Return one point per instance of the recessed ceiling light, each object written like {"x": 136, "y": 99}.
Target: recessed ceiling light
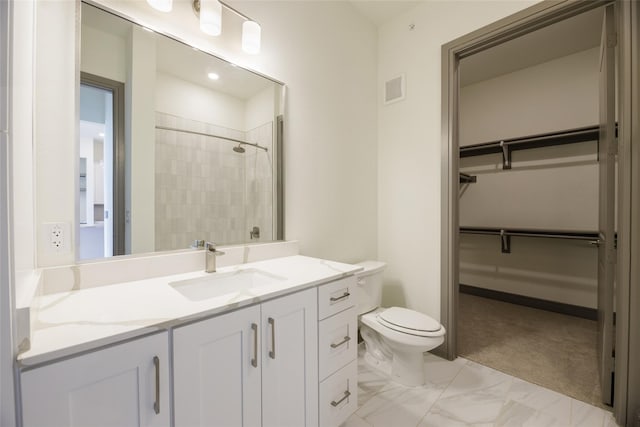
{"x": 213, "y": 76}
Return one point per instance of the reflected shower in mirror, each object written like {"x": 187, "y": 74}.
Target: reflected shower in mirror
{"x": 176, "y": 145}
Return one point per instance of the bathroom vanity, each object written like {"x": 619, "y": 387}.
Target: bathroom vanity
{"x": 274, "y": 345}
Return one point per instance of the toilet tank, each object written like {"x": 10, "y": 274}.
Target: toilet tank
{"x": 369, "y": 288}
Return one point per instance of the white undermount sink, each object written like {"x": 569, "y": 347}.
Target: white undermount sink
{"x": 218, "y": 284}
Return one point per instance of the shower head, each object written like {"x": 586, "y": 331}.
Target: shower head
{"x": 238, "y": 149}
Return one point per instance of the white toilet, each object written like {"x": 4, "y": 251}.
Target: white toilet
{"x": 395, "y": 337}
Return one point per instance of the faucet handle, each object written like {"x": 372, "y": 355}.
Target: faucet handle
{"x": 210, "y": 246}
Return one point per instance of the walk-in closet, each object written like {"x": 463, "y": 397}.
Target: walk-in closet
{"x": 529, "y": 126}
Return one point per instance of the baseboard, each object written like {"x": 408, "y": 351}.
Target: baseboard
{"x": 557, "y": 307}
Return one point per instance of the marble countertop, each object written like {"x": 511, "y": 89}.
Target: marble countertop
{"x": 67, "y": 323}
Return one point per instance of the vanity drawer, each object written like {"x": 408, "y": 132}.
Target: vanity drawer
{"x": 337, "y": 341}
{"x": 336, "y": 296}
{"x": 339, "y": 396}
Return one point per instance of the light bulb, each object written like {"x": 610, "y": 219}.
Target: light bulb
{"x": 211, "y": 17}
{"x": 251, "y": 37}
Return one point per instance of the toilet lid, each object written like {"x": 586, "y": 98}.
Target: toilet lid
{"x": 408, "y": 321}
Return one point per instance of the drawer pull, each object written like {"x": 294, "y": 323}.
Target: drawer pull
{"x": 156, "y": 404}
{"x": 347, "y": 393}
{"x": 272, "y": 353}
{"x": 254, "y": 361}
{"x": 344, "y": 341}
{"x": 345, "y": 295}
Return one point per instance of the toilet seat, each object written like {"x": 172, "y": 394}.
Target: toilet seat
{"x": 409, "y": 322}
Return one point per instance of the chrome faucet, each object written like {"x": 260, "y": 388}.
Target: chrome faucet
{"x": 210, "y": 256}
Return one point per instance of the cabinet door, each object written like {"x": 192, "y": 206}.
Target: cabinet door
{"x": 123, "y": 385}
{"x": 290, "y": 361}
{"x": 217, "y": 371}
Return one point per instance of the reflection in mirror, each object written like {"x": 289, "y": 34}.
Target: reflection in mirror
{"x": 194, "y": 156}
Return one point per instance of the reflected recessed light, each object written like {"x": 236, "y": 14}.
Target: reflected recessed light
{"x": 213, "y": 76}
{"x": 101, "y": 134}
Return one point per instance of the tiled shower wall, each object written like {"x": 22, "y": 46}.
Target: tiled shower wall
{"x": 205, "y": 190}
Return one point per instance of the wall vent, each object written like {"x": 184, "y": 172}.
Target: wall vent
{"x": 394, "y": 90}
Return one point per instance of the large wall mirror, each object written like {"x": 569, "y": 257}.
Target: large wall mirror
{"x": 176, "y": 145}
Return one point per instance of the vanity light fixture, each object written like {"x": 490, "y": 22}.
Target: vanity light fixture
{"x": 251, "y": 37}
{"x": 210, "y": 17}
{"x": 213, "y": 76}
{"x": 161, "y": 5}
{"x": 209, "y": 13}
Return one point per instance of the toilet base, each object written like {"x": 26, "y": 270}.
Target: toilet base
{"x": 407, "y": 368}
{"x": 381, "y": 365}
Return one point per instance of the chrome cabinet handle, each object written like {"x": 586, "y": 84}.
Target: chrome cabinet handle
{"x": 347, "y": 393}
{"x": 254, "y": 361}
{"x": 272, "y": 353}
{"x": 156, "y": 404}
{"x": 344, "y": 341}
{"x": 345, "y": 295}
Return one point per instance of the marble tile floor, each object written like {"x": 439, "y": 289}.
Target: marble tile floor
{"x": 465, "y": 393}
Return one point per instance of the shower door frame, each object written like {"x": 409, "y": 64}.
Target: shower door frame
{"x": 627, "y": 391}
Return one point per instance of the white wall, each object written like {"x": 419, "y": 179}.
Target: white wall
{"x": 184, "y": 99}
{"x": 7, "y": 411}
{"x": 140, "y": 135}
{"x": 555, "y": 187}
{"x": 409, "y": 138}
{"x": 23, "y": 150}
{"x": 56, "y": 87}
{"x": 326, "y": 54}
{"x": 103, "y": 54}
{"x": 555, "y": 95}
{"x": 17, "y": 257}
{"x": 260, "y": 108}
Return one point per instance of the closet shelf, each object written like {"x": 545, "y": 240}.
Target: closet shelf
{"x": 505, "y": 234}
{"x": 506, "y": 146}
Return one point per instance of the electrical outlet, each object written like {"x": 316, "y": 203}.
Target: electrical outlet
{"x": 56, "y": 237}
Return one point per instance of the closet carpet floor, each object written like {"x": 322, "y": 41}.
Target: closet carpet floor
{"x": 552, "y": 350}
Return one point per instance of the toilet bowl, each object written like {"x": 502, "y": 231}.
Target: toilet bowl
{"x": 395, "y": 337}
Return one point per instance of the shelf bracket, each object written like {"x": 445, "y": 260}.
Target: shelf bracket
{"x": 506, "y": 155}
{"x": 466, "y": 178}
{"x": 505, "y": 240}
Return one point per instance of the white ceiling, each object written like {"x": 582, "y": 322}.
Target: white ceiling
{"x": 564, "y": 38}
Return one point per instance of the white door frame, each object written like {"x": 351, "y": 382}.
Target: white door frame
{"x": 627, "y": 387}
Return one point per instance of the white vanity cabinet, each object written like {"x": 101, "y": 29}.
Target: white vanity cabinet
{"x": 256, "y": 366}
{"x": 216, "y": 371}
{"x": 123, "y": 385}
{"x": 337, "y": 351}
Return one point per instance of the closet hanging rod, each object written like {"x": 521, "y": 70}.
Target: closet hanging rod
{"x": 213, "y": 136}
{"x": 506, "y": 234}
{"x": 505, "y": 146}
{"x": 557, "y": 234}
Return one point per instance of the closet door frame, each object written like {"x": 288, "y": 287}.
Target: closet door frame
{"x": 627, "y": 387}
